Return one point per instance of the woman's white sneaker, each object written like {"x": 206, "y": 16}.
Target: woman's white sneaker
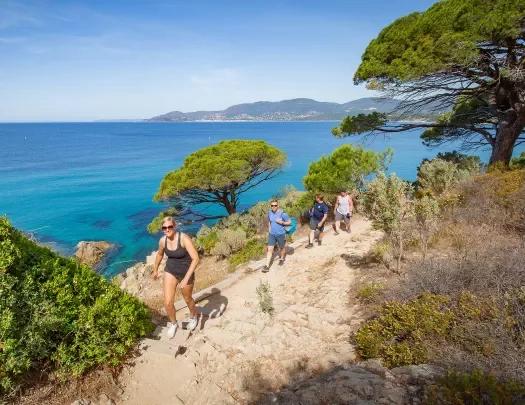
{"x": 192, "y": 323}
{"x": 172, "y": 328}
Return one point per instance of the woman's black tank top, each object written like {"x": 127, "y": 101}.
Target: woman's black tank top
{"x": 179, "y": 260}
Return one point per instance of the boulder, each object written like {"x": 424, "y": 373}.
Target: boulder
{"x": 91, "y": 253}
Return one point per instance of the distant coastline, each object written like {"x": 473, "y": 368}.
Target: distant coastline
{"x": 294, "y": 110}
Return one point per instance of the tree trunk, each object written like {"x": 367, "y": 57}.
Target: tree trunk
{"x": 511, "y": 124}
{"x": 503, "y": 147}
{"x": 230, "y": 208}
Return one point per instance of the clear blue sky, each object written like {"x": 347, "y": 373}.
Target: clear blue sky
{"x": 83, "y": 60}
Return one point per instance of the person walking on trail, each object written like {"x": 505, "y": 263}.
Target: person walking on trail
{"x": 319, "y": 213}
{"x": 277, "y": 220}
{"x": 344, "y": 206}
{"x": 179, "y": 272}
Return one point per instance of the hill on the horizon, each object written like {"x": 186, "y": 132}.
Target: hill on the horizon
{"x": 299, "y": 109}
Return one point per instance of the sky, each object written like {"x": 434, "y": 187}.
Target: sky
{"x": 116, "y": 59}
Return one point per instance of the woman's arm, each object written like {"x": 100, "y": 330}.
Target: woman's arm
{"x": 158, "y": 259}
{"x": 351, "y": 203}
{"x": 336, "y": 204}
{"x": 187, "y": 244}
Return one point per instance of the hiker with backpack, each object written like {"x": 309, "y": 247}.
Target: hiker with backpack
{"x": 278, "y": 221}
{"x": 318, "y": 216}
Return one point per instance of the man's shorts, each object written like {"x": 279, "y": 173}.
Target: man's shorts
{"x": 276, "y": 239}
{"x": 314, "y": 225}
{"x": 342, "y": 217}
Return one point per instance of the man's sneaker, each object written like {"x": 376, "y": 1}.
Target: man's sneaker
{"x": 192, "y": 323}
{"x": 281, "y": 262}
{"x": 319, "y": 243}
{"x": 334, "y": 226}
{"x": 172, "y": 328}
{"x": 309, "y": 246}
{"x": 265, "y": 269}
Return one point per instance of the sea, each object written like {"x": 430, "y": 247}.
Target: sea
{"x": 62, "y": 183}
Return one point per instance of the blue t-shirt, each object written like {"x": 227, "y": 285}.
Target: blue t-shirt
{"x": 320, "y": 209}
{"x": 275, "y": 228}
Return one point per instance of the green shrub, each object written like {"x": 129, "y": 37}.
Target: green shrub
{"x": 56, "y": 311}
{"x": 400, "y": 332}
{"x": 367, "y": 292}
{"x": 387, "y": 202}
{"x": 437, "y": 175}
{"x": 253, "y": 250}
{"x": 518, "y": 162}
{"x": 228, "y": 242}
{"x": 472, "y": 389}
{"x": 206, "y": 239}
{"x": 427, "y": 215}
{"x": 381, "y": 252}
{"x": 264, "y": 292}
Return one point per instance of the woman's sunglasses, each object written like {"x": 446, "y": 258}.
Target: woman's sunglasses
{"x": 169, "y": 227}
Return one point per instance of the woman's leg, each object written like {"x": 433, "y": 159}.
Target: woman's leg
{"x": 170, "y": 286}
{"x": 188, "y": 297}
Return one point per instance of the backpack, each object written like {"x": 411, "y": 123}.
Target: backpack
{"x": 290, "y": 229}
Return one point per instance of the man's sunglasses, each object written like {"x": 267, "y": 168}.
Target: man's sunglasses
{"x": 273, "y": 205}
{"x": 169, "y": 227}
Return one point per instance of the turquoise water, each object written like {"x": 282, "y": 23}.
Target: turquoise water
{"x": 66, "y": 182}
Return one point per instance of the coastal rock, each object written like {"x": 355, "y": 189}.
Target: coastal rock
{"x": 137, "y": 279}
{"x": 365, "y": 383}
{"x": 91, "y": 253}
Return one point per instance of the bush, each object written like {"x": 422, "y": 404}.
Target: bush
{"x": 387, "y": 203}
{"x": 474, "y": 388}
{"x": 264, "y": 292}
{"x": 253, "y": 250}
{"x": 518, "y": 162}
{"x": 400, "y": 332}
{"x": 205, "y": 239}
{"x": 228, "y": 242}
{"x": 381, "y": 252}
{"x": 427, "y": 214}
{"x": 56, "y": 311}
{"x": 368, "y": 292}
{"x": 437, "y": 175}
{"x": 446, "y": 169}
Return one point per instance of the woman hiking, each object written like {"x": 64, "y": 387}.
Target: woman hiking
{"x": 179, "y": 272}
{"x": 344, "y": 206}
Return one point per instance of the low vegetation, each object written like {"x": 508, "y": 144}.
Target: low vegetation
{"x": 460, "y": 302}
{"x": 264, "y": 292}
{"x": 57, "y": 315}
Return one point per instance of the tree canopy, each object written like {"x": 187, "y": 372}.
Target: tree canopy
{"x": 219, "y": 174}
{"x": 346, "y": 167}
{"x": 464, "y": 55}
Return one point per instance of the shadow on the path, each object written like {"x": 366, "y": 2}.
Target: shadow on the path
{"x": 215, "y": 306}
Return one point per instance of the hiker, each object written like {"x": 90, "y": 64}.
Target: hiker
{"x": 179, "y": 272}
{"x": 318, "y": 215}
{"x": 344, "y": 206}
{"x": 277, "y": 220}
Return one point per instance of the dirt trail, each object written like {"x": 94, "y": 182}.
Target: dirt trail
{"x": 238, "y": 352}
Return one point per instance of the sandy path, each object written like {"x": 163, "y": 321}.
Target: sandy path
{"x": 239, "y": 351}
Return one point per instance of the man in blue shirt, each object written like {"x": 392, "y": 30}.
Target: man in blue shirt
{"x": 277, "y": 220}
{"x": 319, "y": 213}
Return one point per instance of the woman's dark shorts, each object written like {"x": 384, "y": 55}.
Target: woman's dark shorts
{"x": 314, "y": 225}
{"x": 276, "y": 239}
{"x": 180, "y": 277}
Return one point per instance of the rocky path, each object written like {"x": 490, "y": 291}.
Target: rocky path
{"x": 237, "y": 353}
